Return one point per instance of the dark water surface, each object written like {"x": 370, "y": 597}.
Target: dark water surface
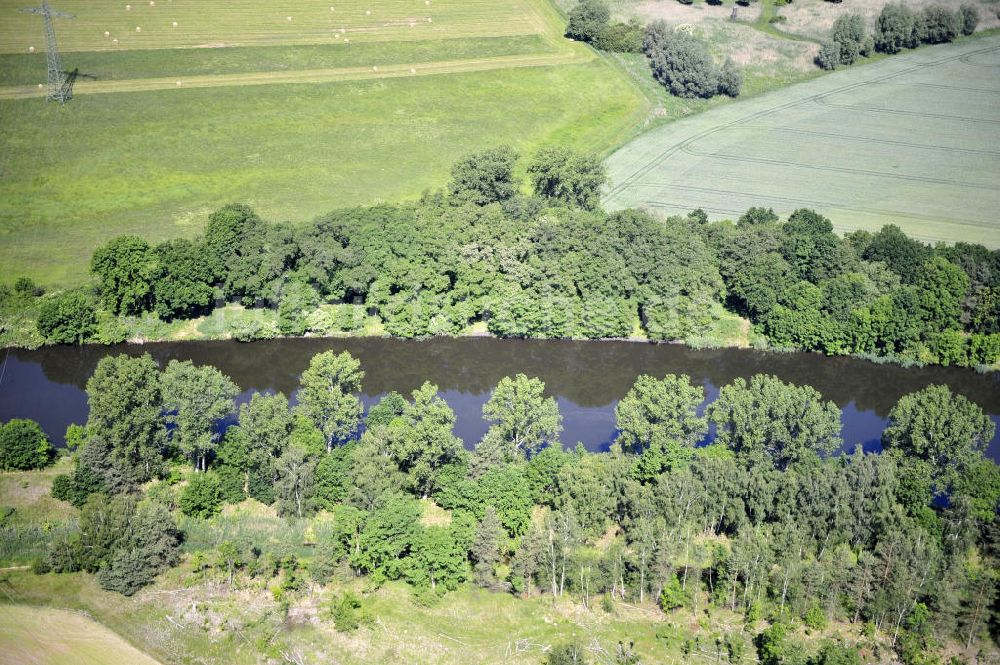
{"x": 587, "y": 378}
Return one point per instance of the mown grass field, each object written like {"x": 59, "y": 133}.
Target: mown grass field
{"x": 913, "y": 140}
{"x": 288, "y": 117}
{"x": 45, "y": 636}
{"x": 248, "y": 22}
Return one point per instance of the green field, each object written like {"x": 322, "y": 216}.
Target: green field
{"x": 289, "y": 119}
{"x": 913, "y": 140}
{"x": 249, "y": 22}
{"x": 45, "y": 636}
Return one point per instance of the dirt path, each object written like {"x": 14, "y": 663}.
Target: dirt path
{"x": 311, "y": 75}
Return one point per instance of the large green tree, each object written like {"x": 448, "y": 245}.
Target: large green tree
{"x": 658, "y": 419}
{"x": 484, "y": 177}
{"x": 126, "y": 405}
{"x": 941, "y": 287}
{"x": 183, "y": 285}
{"x": 522, "y": 419}
{"x": 327, "y": 395}
{"x": 420, "y": 441}
{"x": 262, "y": 435}
{"x": 941, "y": 428}
{"x": 126, "y": 267}
{"x": 295, "y": 483}
{"x": 569, "y": 177}
{"x": 196, "y": 399}
{"x": 779, "y": 420}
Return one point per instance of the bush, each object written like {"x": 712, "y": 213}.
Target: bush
{"x": 588, "y": 20}
{"x": 26, "y": 287}
{"x": 298, "y": 299}
{"x": 673, "y": 595}
{"x": 109, "y": 329}
{"x": 829, "y": 55}
{"x": 730, "y": 79}
{"x": 621, "y": 38}
{"x": 894, "y": 29}
{"x": 938, "y": 25}
{"x": 680, "y": 62}
{"x": 571, "y": 653}
{"x": 24, "y": 446}
{"x": 815, "y": 618}
{"x": 69, "y": 318}
{"x": 77, "y": 487}
{"x": 248, "y": 328}
{"x": 850, "y": 34}
{"x": 202, "y": 497}
{"x": 969, "y": 18}
{"x": 347, "y": 613}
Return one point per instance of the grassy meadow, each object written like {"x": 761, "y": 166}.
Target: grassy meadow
{"x": 58, "y": 637}
{"x": 910, "y": 140}
{"x": 288, "y": 118}
{"x": 170, "y": 24}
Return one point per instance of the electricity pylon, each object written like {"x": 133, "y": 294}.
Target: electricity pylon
{"x": 60, "y": 84}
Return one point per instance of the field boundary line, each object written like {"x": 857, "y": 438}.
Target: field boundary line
{"x": 800, "y": 201}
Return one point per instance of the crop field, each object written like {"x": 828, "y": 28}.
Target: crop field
{"x": 912, "y": 140}
{"x": 45, "y": 636}
{"x": 330, "y": 109}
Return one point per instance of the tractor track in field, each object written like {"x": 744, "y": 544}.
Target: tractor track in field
{"x": 576, "y": 56}
{"x": 690, "y": 150}
{"x": 866, "y": 139}
{"x": 822, "y": 100}
{"x": 684, "y": 145}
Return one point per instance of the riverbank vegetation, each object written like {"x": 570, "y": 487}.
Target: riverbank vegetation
{"x": 485, "y": 257}
{"x": 755, "y": 540}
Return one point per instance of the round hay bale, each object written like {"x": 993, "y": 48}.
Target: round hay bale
{"x": 178, "y": 84}
{"x": 427, "y": 2}
{"x": 368, "y": 12}
{"x": 375, "y": 68}
{"x": 336, "y": 35}
{"x": 413, "y": 70}
{"x": 288, "y": 18}
{"x": 331, "y": 9}
{"x": 114, "y": 41}
{"x": 31, "y": 49}
{"x": 343, "y": 30}
{"x": 107, "y": 34}
{"x": 347, "y": 41}
{"x": 138, "y": 29}
{"x": 40, "y": 86}
{"x": 128, "y": 8}
{"x": 175, "y": 24}
{"x": 152, "y": 3}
